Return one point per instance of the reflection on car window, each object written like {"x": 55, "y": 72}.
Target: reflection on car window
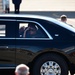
{"x": 31, "y": 30}
{"x": 2, "y": 30}
{"x": 22, "y": 28}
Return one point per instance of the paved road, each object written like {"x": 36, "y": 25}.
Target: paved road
{"x": 54, "y": 14}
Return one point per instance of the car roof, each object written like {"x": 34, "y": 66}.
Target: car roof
{"x": 64, "y": 25}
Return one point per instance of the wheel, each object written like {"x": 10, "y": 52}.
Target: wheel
{"x": 50, "y": 64}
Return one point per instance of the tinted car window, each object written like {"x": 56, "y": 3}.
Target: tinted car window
{"x": 31, "y": 30}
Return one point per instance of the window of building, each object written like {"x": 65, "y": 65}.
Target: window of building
{"x": 2, "y": 30}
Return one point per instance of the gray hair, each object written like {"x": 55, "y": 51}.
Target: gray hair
{"x": 22, "y": 69}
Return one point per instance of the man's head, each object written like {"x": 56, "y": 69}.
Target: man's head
{"x": 22, "y": 69}
{"x": 63, "y": 18}
{"x": 32, "y": 29}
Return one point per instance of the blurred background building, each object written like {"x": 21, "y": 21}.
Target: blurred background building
{"x": 4, "y": 6}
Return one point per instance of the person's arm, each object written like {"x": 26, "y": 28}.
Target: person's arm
{"x": 24, "y": 35}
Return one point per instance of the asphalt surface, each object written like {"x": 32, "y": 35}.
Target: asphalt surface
{"x": 54, "y": 14}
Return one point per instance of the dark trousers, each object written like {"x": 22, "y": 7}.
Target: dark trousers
{"x": 17, "y": 8}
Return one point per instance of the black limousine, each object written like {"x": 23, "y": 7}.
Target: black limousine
{"x": 45, "y": 44}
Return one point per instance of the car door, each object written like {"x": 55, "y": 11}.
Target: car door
{"x": 30, "y": 39}
{"x": 7, "y": 44}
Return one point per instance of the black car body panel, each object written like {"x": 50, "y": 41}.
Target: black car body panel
{"x": 59, "y": 38}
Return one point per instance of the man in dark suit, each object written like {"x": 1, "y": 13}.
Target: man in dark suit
{"x": 17, "y": 5}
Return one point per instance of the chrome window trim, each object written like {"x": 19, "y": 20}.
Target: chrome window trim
{"x": 7, "y": 67}
{"x": 24, "y": 39}
{"x": 46, "y": 32}
{"x": 7, "y": 19}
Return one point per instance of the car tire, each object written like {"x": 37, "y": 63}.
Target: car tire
{"x": 50, "y": 64}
